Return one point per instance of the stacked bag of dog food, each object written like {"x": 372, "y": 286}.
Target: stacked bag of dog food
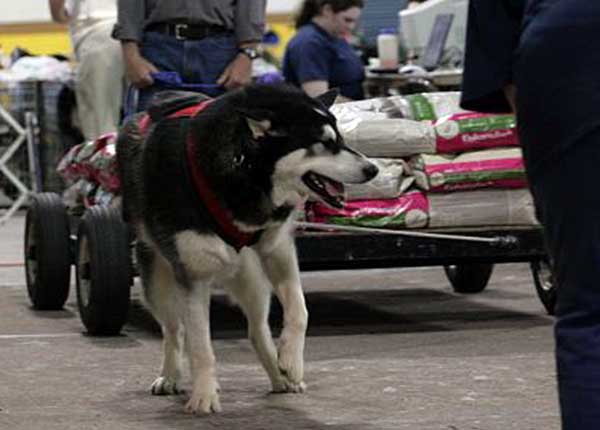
{"x": 440, "y": 166}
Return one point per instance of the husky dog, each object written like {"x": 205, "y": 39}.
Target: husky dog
{"x": 211, "y": 197}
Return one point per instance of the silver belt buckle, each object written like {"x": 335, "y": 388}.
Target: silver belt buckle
{"x": 178, "y": 28}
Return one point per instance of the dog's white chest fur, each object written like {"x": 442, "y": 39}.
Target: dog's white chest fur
{"x": 206, "y": 256}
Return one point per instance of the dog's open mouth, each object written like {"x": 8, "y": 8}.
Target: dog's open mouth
{"x": 329, "y": 190}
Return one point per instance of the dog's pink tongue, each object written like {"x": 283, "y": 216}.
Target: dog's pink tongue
{"x": 334, "y": 188}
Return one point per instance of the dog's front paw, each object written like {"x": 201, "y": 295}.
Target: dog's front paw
{"x": 163, "y": 386}
{"x": 286, "y": 386}
{"x": 204, "y": 401}
{"x": 291, "y": 363}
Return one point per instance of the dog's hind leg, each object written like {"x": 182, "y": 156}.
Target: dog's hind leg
{"x": 161, "y": 297}
{"x": 251, "y": 290}
{"x": 281, "y": 266}
{"x": 170, "y": 374}
{"x": 196, "y": 321}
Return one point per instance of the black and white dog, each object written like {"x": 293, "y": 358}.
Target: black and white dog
{"x": 210, "y": 187}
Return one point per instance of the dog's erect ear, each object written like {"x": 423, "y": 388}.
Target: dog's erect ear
{"x": 328, "y": 97}
{"x": 258, "y": 128}
{"x": 258, "y": 121}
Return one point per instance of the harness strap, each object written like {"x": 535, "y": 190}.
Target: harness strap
{"x": 191, "y": 111}
{"x": 228, "y": 231}
{"x": 231, "y": 234}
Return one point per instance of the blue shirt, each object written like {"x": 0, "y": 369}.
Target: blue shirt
{"x": 315, "y": 55}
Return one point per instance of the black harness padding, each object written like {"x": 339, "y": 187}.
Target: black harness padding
{"x": 170, "y": 102}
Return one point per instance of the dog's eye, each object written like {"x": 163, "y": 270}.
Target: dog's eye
{"x": 328, "y": 134}
{"x": 317, "y": 149}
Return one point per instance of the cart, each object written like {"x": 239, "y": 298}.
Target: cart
{"x": 99, "y": 244}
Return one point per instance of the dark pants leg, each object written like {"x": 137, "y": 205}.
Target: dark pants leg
{"x": 558, "y": 98}
{"x": 568, "y": 199}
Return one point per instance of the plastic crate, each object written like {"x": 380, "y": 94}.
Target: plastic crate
{"x": 12, "y": 97}
{"x": 54, "y": 133}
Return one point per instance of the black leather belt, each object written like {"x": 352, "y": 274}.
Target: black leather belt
{"x": 184, "y": 31}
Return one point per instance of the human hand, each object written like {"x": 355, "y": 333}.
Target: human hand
{"x": 237, "y": 73}
{"x": 138, "y": 69}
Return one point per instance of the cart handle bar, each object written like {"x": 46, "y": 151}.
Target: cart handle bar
{"x": 500, "y": 241}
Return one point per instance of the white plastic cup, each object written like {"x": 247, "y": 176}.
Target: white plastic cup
{"x": 387, "y": 48}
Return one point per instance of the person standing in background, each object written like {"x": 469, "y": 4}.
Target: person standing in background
{"x": 318, "y": 57}
{"x": 211, "y": 42}
{"x": 540, "y": 59}
{"x": 100, "y": 73}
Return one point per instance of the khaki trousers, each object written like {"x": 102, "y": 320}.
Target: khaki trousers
{"x": 99, "y": 81}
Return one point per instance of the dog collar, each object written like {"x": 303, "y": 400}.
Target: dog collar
{"x": 229, "y": 232}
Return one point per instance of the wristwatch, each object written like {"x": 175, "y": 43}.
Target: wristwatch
{"x": 252, "y": 53}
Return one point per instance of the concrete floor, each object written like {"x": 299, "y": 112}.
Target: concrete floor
{"x": 387, "y": 349}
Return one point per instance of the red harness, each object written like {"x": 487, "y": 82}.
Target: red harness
{"x": 230, "y": 233}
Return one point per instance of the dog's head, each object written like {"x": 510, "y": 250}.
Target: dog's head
{"x": 297, "y": 140}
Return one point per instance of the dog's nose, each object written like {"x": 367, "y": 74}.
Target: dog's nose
{"x": 370, "y": 171}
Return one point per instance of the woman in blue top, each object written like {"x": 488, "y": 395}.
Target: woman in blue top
{"x": 318, "y": 57}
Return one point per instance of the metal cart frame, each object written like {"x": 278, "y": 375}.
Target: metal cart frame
{"x": 99, "y": 245}
{"x": 330, "y": 251}
{"x": 103, "y": 280}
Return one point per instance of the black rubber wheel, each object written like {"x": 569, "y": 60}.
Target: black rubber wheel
{"x": 469, "y": 278}
{"x": 103, "y": 271}
{"x": 545, "y": 285}
{"x": 47, "y": 252}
